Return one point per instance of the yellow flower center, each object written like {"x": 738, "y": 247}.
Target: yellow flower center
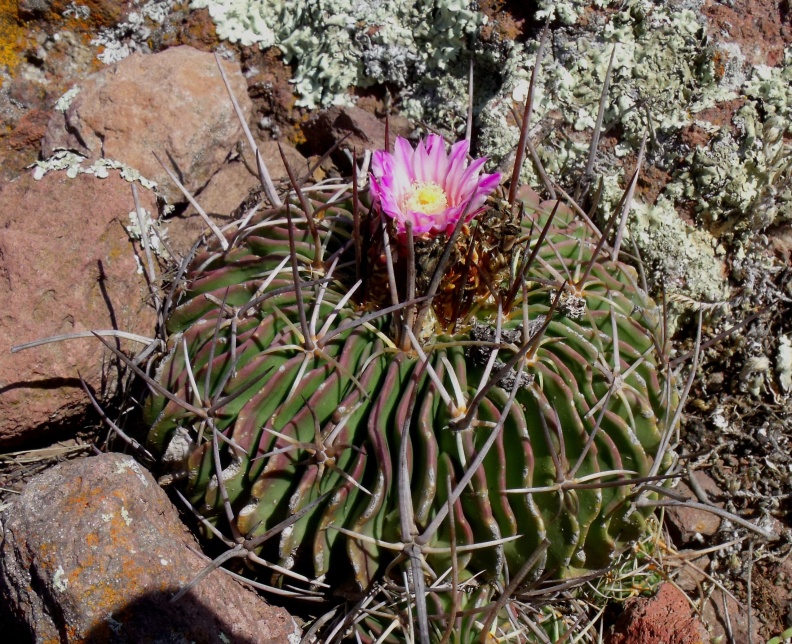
{"x": 426, "y": 197}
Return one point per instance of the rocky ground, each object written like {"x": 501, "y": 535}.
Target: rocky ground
{"x": 68, "y": 266}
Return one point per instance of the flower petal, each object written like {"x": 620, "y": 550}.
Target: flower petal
{"x": 435, "y": 162}
{"x": 403, "y": 155}
{"x": 394, "y": 178}
{"x": 456, "y": 166}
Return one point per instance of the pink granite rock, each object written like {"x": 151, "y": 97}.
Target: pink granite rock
{"x": 231, "y": 186}
{"x": 93, "y": 551}
{"x": 173, "y": 103}
{"x": 66, "y": 265}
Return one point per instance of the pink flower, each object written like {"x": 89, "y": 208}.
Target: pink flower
{"x": 428, "y": 186}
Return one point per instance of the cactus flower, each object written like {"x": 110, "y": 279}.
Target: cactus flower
{"x": 428, "y": 186}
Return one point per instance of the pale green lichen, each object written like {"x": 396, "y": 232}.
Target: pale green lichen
{"x": 62, "y": 104}
{"x": 59, "y": 580}
{"x": 132, "y": 35}
{"x": 667, "y": 78}
{"x": 61, "y": 160}
{"x": 566, "y": 11}
{"x": 128, "y": 464}
{"x": 338, "y": 44}
{"x": 784, "y": 363}
{"x": 657, "y": 67}
{"x": 738, "y": 179}
{"x": 73, "y": 164}
{"x": 156, "y": 234}
{"x": 681, "y": 257}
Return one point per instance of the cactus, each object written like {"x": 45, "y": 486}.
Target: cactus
{"x": 356, "y": 401}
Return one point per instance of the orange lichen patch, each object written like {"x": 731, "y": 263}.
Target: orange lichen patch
{"x": 101, "y": 579}
{"x": 195, "y": 29}
{"x": 13, "y": 38}
{"x": 505, "y": 22}
{"x": 651, "y": 183}
{"x": 719, "y": 61}
{"x": 101, "y": 13}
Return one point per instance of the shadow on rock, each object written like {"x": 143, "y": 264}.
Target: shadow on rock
{"x": 152, "y": 618}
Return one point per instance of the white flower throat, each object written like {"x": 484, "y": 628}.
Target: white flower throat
{"x": 425, "y": 197}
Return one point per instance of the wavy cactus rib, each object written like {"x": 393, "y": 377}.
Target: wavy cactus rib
{"x": 318, "y": 387}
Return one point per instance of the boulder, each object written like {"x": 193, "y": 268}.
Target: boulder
{"x": 94, "y": 551}
{"x": 231, "y": 186}
{"x": 173, "y": 103}
{"x": 66, "y": 265}
{"x": 688, "y": 525}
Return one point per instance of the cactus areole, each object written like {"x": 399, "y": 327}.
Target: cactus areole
{"x": 414, "y": 381}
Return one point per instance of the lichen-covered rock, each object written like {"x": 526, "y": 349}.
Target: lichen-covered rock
{"x": 337, "y": 44}
{"x": 172, "y": 103}
{"x": 93, "y": 551}
{"x": 66, "y": 265}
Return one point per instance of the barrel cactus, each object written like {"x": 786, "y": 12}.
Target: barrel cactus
{"x": 409, "y": 381}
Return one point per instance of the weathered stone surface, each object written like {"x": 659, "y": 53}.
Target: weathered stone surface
{"x": 736, "y": 622}
{"x": 666, "y": 618}
{"x": 173, "y": 104}
{"x": 33, "y": 8}
{"x": 93, "y": 551}
{"x": 688, "y": 525}
{"x": 715, "y": 604}
{"x": 365, "y": 130}
{"x": 272, "y": 157}
{"x": 66, "y": 265}
{"x": 230, "y": 186}
{"x": 28, "y": 132}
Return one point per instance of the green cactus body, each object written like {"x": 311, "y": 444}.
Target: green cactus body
{"x": 300, "y": 420}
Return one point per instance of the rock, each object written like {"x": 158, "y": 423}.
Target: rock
{"x": 94, "y": 551}
{"x": 699, "y": 588}
{"x": 66, "y": 265}
{"x": 666, "y": 618}
{"x": 231, "y": 186}
{"x": 690, "y": 577}
{"x": 691, "y": 524}
{"x": 366, "y": 131}
{"x": 760, "y": 28}
{"x": 226, "y": 190}
{"x": 29, "y": 130}
{"x": 271, "y": 156}
{"x": 173, "y": 104}
{"x": 714, "y": 614}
